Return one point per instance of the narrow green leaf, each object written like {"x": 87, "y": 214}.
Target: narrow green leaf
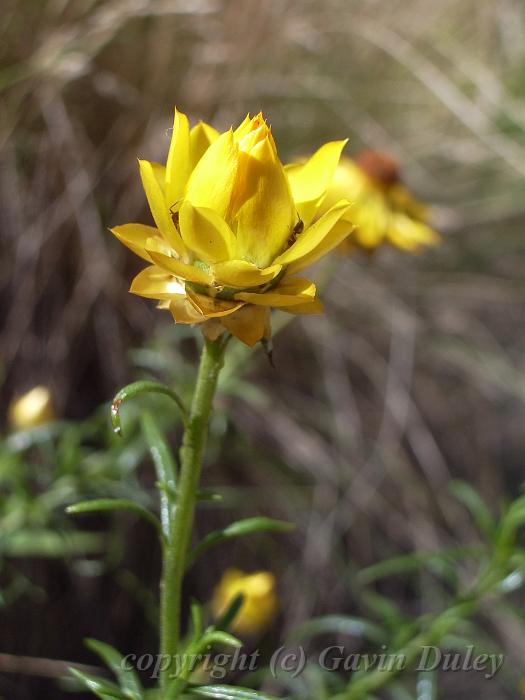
{"x": 31, "y": 542}
{"x": 442, "y": 564}
{"x": 164, "y": 466}
{"x": 340, "y": 624}
{"x": 143, "y": 387}
{"x": 196, "y": 620}
{"x": 127, "y": 677}
{"x": 106, "y": 504}
{"x": 240, "y": 528}
{"x": 98, "y": 686}
{"x": 220, "y": 637}
{"x": 228, "y": 692}
{"x": 230, "y": 613}
{"x": 476, "y": 505}
{"x": 515, "y": 516}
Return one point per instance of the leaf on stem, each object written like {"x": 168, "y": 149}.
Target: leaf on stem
{"x": 106, "y": 504}
{"x": 127, "y": 678}
{"x": 98, "y": 686}
{"x": 164, "y": 466}
{"x": 143, "y": 387}
{"x": 240, "y": 528}
{"x": 228, "y": 692}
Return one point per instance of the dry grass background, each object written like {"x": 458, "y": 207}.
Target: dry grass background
{"x": 413, "y": 377}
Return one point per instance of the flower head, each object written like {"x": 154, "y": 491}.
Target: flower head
{"x": 232, "y": 227}
{"x": 31, "y": 409}
{"x": 384, "y": 210}
{"x": 259, "y": 606}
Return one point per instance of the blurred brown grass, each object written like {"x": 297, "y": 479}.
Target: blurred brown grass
{"x": 415, "y": 374}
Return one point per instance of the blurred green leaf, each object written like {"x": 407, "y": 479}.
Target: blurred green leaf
{"x": 240, "y": 528}
{"x": 476, "y": 505}
{"x": 127, "y": 678}
{"x": 50, "y": 543}
{"x": 442, "y": 564}
{"x": 109, "y": 504}
{"x": 227, "y": 692}
{"x": 340, "y": 624}
{"x": 101, "y": 688}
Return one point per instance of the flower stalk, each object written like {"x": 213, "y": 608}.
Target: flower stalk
{"x": 181, "y": 518}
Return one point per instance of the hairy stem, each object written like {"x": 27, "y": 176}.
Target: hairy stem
{"x": 181, "y": 524}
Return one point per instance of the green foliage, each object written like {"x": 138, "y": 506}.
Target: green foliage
{"x": 248, "y": 526}
{"x": 143, "y": 387}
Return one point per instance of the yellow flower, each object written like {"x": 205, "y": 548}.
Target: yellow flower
{"x": 259, "y": 606}
{"x": 232, "y": 227}
{"x": 32, "y": 409}
{"x": 383, "y": 211}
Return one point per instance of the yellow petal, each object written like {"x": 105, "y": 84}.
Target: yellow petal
{"x": 250, "y": 324}
{"x": 159, "y": 208}
{"x": 205, "y": 233}
{"x": 288, "y": 293}
{"x": 311, "y": 307}
{"x": 316, "y": 240}
{"x": 310, "y": 182}
{"x": 201, "y": 137}
{"x": 211, "y": 183}
{"x": 180, "y": 269}
{"x": 135, "y": 236}
{"x": 178, "y": 163}
{"x": 349, "y": 182}
{"x": 244, "y": 127}
{"x": 407, "y": 234}
{"x": 266, "y": 218}
{"x": 184, "y": 312}
{"x": 210, "y": 307}
{"x": 239, "y": 273}
{"x": 343, "y": 230}
{"x": 154, "y": 283}
{"x": 158, "y": 245}
{"x": 159, "y": 171}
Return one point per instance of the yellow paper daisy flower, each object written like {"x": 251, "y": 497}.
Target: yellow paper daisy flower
{"x": 233, "y": 226}
{"x": 384, "y": 210}
{"x": 259, "y": 606}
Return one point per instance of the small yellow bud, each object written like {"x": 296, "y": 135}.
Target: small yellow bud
{"x": 260, "y": 603}
{"x": 32, "y": 409}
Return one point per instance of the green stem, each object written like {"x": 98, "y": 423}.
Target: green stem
{"x": 181, "y": 525}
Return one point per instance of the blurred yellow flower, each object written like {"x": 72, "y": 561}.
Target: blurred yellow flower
{"x": 260, "y": 603}
{"x": 384, "y": 210}
{"x": 32, "y": 409}
{"x": 232, "y": 227}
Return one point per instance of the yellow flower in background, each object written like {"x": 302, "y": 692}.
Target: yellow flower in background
{"x": 32, "y": 409}
{"x": 384, "y": 210}
{"x": 233, "y": 227}
{"x": 260, "y": 604}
